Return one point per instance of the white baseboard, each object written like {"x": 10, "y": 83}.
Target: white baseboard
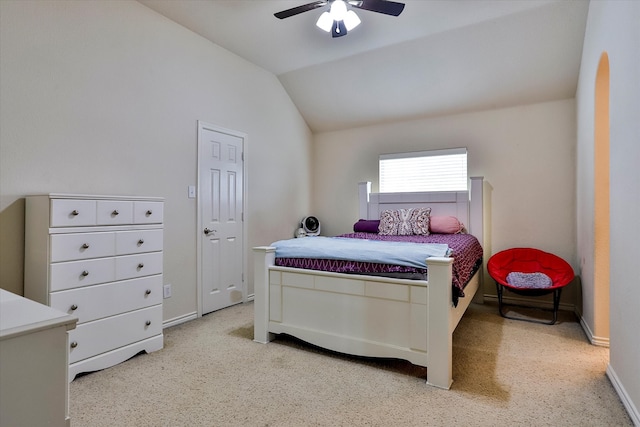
{"x": 595, "y": 340}
{"x": 624, "y": 397}
{"x": 189, "y": 316}
{"x": 180, "y": 319}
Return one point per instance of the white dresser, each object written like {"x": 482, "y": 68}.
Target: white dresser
{"x": 34, "y": 386}
{"x": 100, "y": 259}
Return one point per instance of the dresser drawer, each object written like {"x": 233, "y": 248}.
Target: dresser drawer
{"x": 148, "y": 212}
{"x": 137, "y": 241}
{"x": 131, "y": 266}
{"x": 68, "y": 247}
{"x": 72, "y": 213}
{"x": 114, "y": 212}
{"x": 99, "y": 301}
{"x": 68, "y": 275}
{"x": 99, "y": 336}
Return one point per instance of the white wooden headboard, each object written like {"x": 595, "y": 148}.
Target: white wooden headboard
{"x": 465, "y": 205}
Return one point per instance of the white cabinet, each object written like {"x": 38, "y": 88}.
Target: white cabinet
{"x": 34, "y": 386}
{"x": 100, "y": 259}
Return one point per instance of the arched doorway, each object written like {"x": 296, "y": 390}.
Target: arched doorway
{"x": 601, "y": 202}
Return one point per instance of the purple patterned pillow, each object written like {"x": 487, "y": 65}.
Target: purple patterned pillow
{"x": 389, "y": 220}
{"x": 404, "y": 222}
{"x": 420, "y": 221}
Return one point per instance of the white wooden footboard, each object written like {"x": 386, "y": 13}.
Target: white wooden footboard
{"x": 372, "y": 316}
{"x": 362, "y": 315}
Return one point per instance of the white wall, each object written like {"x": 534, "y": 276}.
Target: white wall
{"x": 612, "y": 27}
{"x": 103, "y": 97}
{"x": 526, "y": 154}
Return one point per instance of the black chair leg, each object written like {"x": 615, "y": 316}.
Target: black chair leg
{"x": 556, "y": 304}
{"x": 499, "y": 289}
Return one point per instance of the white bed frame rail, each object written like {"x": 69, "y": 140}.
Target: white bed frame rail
{"x": 372, "y": 316}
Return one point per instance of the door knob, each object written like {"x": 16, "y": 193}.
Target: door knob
{"x": 208, "y": 231}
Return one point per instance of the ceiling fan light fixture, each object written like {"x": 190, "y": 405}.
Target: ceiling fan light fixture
{"x": 338, "y": 20}
{"x": 325, "y": 22}
{"x": 351, "y": 20}
{"x": 338, "y": 10}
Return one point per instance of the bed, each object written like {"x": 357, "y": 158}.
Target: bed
{"x": 371, "y": 315}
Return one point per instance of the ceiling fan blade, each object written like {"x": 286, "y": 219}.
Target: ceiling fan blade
{"x": 381, "y": 6}
{"x": 299, "y": 9}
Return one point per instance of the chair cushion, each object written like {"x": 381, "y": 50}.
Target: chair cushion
{"x": 529, "y": 280}
{"x": 529, "y": 260}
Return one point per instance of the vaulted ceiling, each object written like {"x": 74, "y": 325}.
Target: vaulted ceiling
{"x": 438, "y": 57}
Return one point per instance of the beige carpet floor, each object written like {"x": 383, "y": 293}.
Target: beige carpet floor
{"x": 211, "y": 373}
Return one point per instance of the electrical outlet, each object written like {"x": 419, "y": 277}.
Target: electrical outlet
{"x": 167, "y": 291}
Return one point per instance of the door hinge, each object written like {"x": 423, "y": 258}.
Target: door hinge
{"x": 242, "y": 156}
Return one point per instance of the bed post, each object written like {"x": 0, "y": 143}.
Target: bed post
{"x": 476, "y": 224}
{"x": 440, "y": 337}
{"x": 264, "y": 257}
{"x": 364, "y": 188}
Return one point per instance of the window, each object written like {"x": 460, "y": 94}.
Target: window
{"x": 436, "y": 170}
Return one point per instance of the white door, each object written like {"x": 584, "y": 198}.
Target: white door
{"x": 220, "y": 203}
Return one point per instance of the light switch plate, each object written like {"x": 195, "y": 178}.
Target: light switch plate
{"x": 192, "y": 191}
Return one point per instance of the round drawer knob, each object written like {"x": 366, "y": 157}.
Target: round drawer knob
{"x": 115, "y": 212}
{"x": 140, "y": 242}
{"x": 140, "y": 265}
{"x": 148, "y": 322}
{"x": 147, "y": 292}
{"x": 85, "y": 246}
{"x": 85, "y": 273}
{"x": 74, "y": 344}
{"x": 75, "y": 212}
{"x": 149, "y": 212}
{"x": 74, "y": 307}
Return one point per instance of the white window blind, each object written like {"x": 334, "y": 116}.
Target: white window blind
{"x": 436, "y": 170}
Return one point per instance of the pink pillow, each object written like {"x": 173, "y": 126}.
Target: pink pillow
{"x": 446, "y": 225}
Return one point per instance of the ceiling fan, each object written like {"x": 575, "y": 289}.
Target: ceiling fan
{"x": 338, "y": 20}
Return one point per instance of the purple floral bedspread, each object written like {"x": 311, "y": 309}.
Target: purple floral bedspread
{"x": 467, "y": 254}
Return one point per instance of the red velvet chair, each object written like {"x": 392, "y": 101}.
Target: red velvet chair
{"x": 529, "y": 260}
